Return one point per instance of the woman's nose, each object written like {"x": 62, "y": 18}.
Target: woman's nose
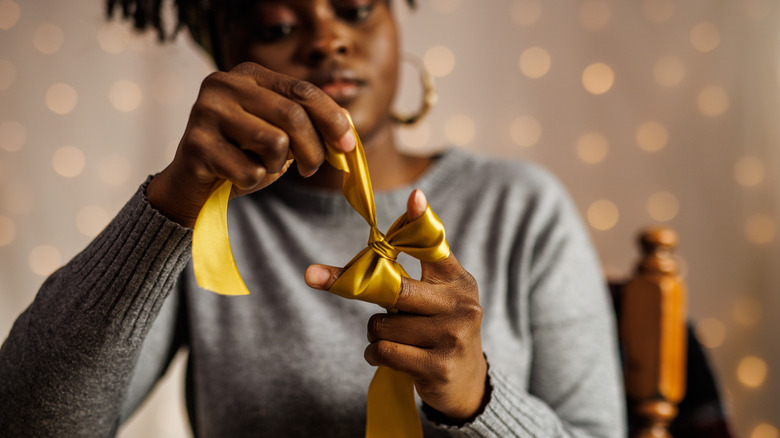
{"x": 327, "y": 40}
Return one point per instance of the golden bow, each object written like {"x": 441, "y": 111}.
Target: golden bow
{"x": 373, "y": 275}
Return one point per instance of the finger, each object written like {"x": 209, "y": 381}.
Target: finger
{"x": 329, "y": 118}
{"x": 267, "y": 180}
{"x": 448, "y": 270}
{"x": 443, "y": 287}
{"x": 404, "y": 328}
{"x": 414, "y": 361}
{"x": 282, "y": 112}
{"x": 416, "y": 205}
{"x": 420, "y": 298}
{"x": 321, "y": 276}
{"x": 217, "y": 158}
{"x": 261, "y": 140}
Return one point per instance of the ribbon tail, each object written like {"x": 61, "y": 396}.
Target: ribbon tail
{"x": 212, "y": 259}
{"x": 392, "y": 412}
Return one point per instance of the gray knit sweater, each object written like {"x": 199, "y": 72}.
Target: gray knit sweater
{"x": 287, "y": 361}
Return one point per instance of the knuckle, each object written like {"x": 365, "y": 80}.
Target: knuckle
{"x": 449, "y": 339}
{"x": 470, "y": 309}
{"x": 249, "y": 177}
{"x": 274, "y": 150}
{"x": 383, "y": 351}
{"x": 277, "y": 143}
{"x": 214, "y": 79}
{"x": 466, "y": 280}
{"x": 441, "y": 370}
{"x": 407, "y": 290}
{"x": 376, "y": 324}
{"x": 294, "y": 113}
{"x": 304, "y": 91}
{"x": 244, "y": 67}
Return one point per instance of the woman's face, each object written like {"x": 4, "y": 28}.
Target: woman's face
{"x": 349, "y": 48}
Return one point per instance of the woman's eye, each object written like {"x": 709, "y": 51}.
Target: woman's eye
{"x": 356, "y": 14}
{"x": 273, "y": 33}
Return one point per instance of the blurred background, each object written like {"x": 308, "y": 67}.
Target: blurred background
{"x": 652, "y": 111}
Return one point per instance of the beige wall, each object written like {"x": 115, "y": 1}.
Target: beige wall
{"x": 654, "y": 111}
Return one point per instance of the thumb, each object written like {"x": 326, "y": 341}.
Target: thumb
{"x": 321, "y": 276}
{"x": 416, "y": 205}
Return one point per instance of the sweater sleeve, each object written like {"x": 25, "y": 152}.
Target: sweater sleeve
{"x": 70, "y": 356}
{"x": 574, "y": 387}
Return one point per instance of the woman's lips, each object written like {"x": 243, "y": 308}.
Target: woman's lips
{"x": 342, "y": 90}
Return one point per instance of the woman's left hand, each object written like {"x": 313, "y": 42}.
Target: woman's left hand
{"x": 435, "y": 336}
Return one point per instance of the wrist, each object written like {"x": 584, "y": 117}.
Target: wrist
{"x": 163, "y": 197}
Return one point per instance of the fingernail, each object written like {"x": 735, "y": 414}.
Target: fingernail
{"x": 419, "y": 198}
{"x": 347, "y": 141}
{"x": 315, "y": 276}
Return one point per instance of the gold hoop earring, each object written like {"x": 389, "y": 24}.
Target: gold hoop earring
{"x": 429, "y": 97}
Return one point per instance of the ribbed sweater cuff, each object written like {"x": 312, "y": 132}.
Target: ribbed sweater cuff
{"x": 128, "y": 270}
{"x": 511, "y": 412}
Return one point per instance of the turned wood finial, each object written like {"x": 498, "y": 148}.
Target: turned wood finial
{"x": 652, "y": 331}
{"x": 658, "y": 245}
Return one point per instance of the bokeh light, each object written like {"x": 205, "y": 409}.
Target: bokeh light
{"x": 592, "y": 147}
{"x": 598, "y": 78}
{"x": 68, "y": 161}
{"x": 526, "y": 12}
{"x": 705, "y": 37}
{"x": 526, "y": 131}
{"x": 752, "y": 371}
{"x": 713, "y": 101}
{"x": 669, "y": 71}
{"x": 595, "y": 14}
{"x": 603, "y": 215}
{"x": 7, "y": 74}
{"x": 535, "y": 62}
{"x": 125, "y": 96}
{"x": 663, "y": 206}
{"x": 658, "y": 11}
{"x": 760, "y": 229}
{"x": 765, "y": 430}
{"x": 652, "y": 136}
{"x": 460, "y": 129}
{"x": 44, "y": 259}
{"x": 439, "y": 61}
{"x": 13, "y": 135}
{"x": 749, "y": 171}
{"x": 48, "y": 38}
{"x": 711, "y": 332}
{"x": 9, "y": 14}
{"x": 61, "y": 98}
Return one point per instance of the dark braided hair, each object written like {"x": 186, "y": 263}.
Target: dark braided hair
{"x": 146, "y": 14}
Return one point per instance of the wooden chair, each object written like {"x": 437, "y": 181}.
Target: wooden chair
{"x": 652, "y": 320}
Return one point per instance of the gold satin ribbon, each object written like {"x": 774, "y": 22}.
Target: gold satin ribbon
{"x": 373, "y": 275}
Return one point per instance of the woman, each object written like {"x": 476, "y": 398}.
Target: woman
{"x": 514, "y": 338}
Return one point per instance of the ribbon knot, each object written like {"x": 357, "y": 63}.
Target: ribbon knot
{"x": 380, "y": 246}
{"x": 372, "y": 275}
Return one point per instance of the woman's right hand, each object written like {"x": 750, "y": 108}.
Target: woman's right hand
{"x": 246, "y": 126}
